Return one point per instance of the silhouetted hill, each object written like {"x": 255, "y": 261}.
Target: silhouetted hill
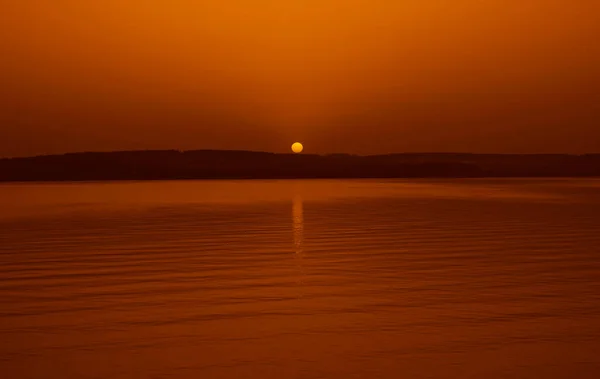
{"x": 218, "y": 164}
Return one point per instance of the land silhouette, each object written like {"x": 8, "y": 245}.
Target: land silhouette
{"x": 228, "y": 164}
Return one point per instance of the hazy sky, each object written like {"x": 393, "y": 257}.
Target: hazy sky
{"x": 356, "y": 76}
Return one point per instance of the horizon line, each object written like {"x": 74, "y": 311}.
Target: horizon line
{"x": 181, "y": 151}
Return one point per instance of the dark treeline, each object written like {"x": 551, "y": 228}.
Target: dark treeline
{"x": 213, "y": 164}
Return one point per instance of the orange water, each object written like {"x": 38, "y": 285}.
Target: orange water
{"x": 301, "y": 279}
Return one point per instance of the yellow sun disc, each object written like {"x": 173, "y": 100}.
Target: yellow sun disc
{"x": 297, "y": 147}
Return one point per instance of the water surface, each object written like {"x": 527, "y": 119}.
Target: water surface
{"x": 301, "y": 279}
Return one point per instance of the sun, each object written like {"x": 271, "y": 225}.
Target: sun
{"x": 297, "y": 147}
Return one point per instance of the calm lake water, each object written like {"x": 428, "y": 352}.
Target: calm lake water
{"x": 301, "y": 279}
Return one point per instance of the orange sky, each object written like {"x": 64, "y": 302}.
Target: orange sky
{"x": 352, "y": 76}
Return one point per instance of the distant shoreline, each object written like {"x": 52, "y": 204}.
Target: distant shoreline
{"x": 108, "y": 181}
{"x": 247, "y": 165}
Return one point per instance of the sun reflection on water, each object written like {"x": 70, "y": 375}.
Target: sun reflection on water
{"x": 298, "y": 231}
